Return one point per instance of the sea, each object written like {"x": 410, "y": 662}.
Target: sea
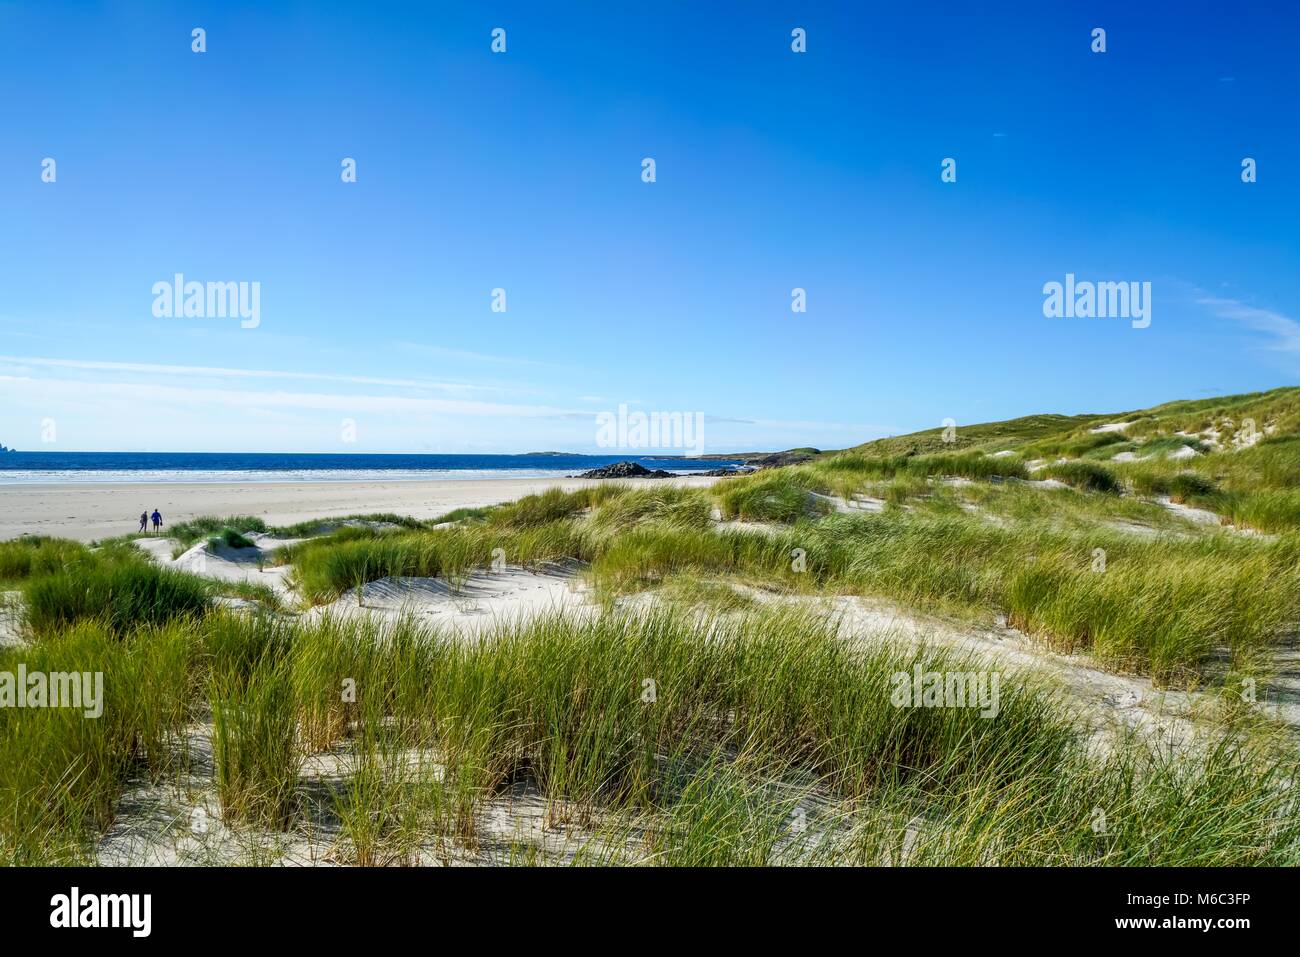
{"x": 245, "y": 467}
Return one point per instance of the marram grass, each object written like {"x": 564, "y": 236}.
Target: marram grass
{"x": 663, "y": 737}
{"x": 721, "y": 733}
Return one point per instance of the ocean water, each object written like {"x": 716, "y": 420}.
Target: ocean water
{"x": 64, "y": 467}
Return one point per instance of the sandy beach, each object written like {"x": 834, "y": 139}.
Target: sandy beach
{"x": 92, "y": 511}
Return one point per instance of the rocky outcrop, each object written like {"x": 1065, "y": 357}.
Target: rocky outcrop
{"x": 628, "y": 469}
{"x": 777, "y": 459}
{"x": 625, "y": 470}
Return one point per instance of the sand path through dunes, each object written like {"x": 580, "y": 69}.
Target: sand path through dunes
{"x": 483, "y": 601}
{"x": 223, "y": 563}
{"x": 92, "y": 511}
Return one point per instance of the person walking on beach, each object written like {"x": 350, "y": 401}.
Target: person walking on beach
{"x": 157, "y": 520}
{"x": 144, "y": 521}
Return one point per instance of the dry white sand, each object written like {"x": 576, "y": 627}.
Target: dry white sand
{"x": 484, "y": 600}
{"x": 9, "y": 615}
{"x": 90, "y": 511}
{"x": 1111, "y": 427}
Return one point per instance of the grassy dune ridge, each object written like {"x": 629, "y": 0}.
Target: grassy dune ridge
{"x": 1161, "y": 606}
{"x": 712, "y": 728}
{"x": 769, "y": 719}
{"x": 63, "y": 583}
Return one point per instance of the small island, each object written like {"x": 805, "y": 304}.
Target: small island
{"x": 5, "y": 448}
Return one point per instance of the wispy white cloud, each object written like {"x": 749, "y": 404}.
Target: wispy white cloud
{"x": 191, "y": 393}
{"x": 442, "y": 352}
{"x": 1284, "y": 330}
{"x": 208, "y": 398}
{"x": 219, "y": 372}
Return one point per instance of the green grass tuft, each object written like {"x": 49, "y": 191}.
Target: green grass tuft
{"x": 1084, "y": 475}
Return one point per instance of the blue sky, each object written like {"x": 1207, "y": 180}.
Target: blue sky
{"x": 522, "y": 171}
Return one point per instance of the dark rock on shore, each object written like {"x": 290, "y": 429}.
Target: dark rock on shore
{"x": 628, "y": 469}
{"x": 625, "y": 470}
